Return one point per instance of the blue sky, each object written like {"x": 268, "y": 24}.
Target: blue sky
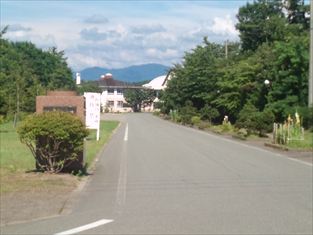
{"x": 116, "y": 34}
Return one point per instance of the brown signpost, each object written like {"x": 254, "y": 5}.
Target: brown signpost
{"x": 66, "y": 101}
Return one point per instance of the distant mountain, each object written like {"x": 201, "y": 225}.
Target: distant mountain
{"x": 136, "y": 73}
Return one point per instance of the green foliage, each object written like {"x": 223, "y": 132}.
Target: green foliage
{"x": 195, "y": 120}
{"x": 259, "y": 22}
{"x": 254, "y": 121}
{"x": 290, "y": 76}
{"x": 54, "y": 138}
{"x": 27, "y": 71}
{"x": 208, "y": 113}
{"x": 274, "y": 47}
{"x": 195, "y": 79}
{"x": 307, "y": 116}
{"x": 137, "y": 97}
{"x": 88, "y": 86}
{"x": 187, "y": 112}
{"x": 175, "y": 117}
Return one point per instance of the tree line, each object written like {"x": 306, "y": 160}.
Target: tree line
{"x": 264, "y": 75}
{"x": 27, "y": 71}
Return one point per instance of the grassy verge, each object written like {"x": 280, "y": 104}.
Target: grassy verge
{"x": 16, "y": 159}
{"x": 14, "y": 156}
{"x": 92, "y": 145}
{"x": 306, "y": 144}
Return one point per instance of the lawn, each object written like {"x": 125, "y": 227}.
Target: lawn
{"x": 306, "y": 144}
{"x": 16, "y": 158}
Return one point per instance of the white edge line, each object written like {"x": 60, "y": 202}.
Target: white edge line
{"x": 249, "y": 146}
{"x": 85, "y": 227}
{"x": 126, "y": 133}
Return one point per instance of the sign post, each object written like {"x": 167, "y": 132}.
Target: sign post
{"x": 93, "y": 111}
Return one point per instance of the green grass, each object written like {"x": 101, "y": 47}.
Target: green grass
{"x": 16, "y": 157}
{"x": 306, "y": 144}
{"x": 92, "y": 145}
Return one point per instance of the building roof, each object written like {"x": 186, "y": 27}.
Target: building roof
{"x": 110, "y": 82}
{"x": 159, "y": 83}
{"x": 156, "y": 83}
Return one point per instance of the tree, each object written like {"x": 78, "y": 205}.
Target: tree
{"x": 88, "y": 86}
{"x": 194, "y": 80}
{"x": 27, "y": 71}
{"x": 137, "y": 97}
{"x": 296, "y": 10}
{"x": 259, "y": 22}
{"x": 289, "y": 86}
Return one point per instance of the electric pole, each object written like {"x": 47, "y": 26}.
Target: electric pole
{"x": 226, "y": 48}
{"x": 311, "y": 57}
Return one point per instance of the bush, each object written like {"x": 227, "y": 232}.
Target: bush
{"x": 254, "y": 121}
{"x": 54, "y": 138}
{"x": 208, "y": 113}
{"x": 195, "y": 120}
{"x": 174, "y": 115}
{"x": 187, "y": 112}
{"x": 156, "y": 113}
{"x": 241, "y": 134}
{"x": 203, "y": 125}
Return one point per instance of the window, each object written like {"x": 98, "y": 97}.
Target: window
{"x": 120, "y": 104}
{"x": 120, "y": 91}
{"x": 110, "y": 91}
{"x": 111, "y": 103}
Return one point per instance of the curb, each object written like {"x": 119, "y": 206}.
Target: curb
{"x": 276, "y": 146}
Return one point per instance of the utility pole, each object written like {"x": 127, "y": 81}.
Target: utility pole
{"x": 310, "y": 103}
{"x": 226, "y": 48}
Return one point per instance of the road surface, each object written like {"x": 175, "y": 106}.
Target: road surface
{"x": 155, "y": 177}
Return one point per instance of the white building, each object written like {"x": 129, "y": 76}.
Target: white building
{"x": 112, "y": 96}
{"x": 157, "y": 84}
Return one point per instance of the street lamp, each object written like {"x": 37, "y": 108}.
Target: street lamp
{"x": 266, "y": 82}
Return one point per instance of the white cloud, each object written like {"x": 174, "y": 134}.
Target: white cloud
{"x": 96, "y": 19}
{"x": 160, "y": 54}
{"x": 18, "y": 28}
{"x": 123, "y": 40}
{"x": 147, "y": 29}
{"x": 224, "y": 26}
{"x": 78, "y": 61}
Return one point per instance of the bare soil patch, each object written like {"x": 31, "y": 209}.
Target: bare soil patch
{"x": 29, "y": 196}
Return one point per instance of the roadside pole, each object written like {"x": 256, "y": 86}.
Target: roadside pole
{"x": 310, "y": 102}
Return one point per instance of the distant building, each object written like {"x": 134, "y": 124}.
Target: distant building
{"x": 112, "y": 96}
{"x": 78, "y": 79}
{"x": 157, "y": 84}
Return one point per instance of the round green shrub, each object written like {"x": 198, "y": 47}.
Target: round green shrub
{"x": 54, "y": 138}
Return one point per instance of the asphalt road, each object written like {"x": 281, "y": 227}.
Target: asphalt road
{"x": 155, "y": 177}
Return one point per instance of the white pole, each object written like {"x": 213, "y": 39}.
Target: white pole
{"x": 310, "y": 103}
{"x": 98, "y": 133}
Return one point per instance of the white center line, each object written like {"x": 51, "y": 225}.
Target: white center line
{"x": 126, "y": 133}
{"x": 85, "y": 227}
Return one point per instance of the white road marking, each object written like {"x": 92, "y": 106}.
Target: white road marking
{"x": 126, "y": 133}
{"x": 122, "y": 180}
{"x": 248, "y": 146}
{"x": 85, "y": 227}
{"x": 299, "y": 161}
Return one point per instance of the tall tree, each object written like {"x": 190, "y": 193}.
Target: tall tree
{"x": 259, "y": 22}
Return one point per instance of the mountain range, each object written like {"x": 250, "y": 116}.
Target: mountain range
{"x": 136, "y": 73}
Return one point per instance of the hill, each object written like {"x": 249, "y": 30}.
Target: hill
{"x": 136, "y": 73}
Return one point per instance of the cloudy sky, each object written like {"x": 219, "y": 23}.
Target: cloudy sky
{"x": 117, "y": 34}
